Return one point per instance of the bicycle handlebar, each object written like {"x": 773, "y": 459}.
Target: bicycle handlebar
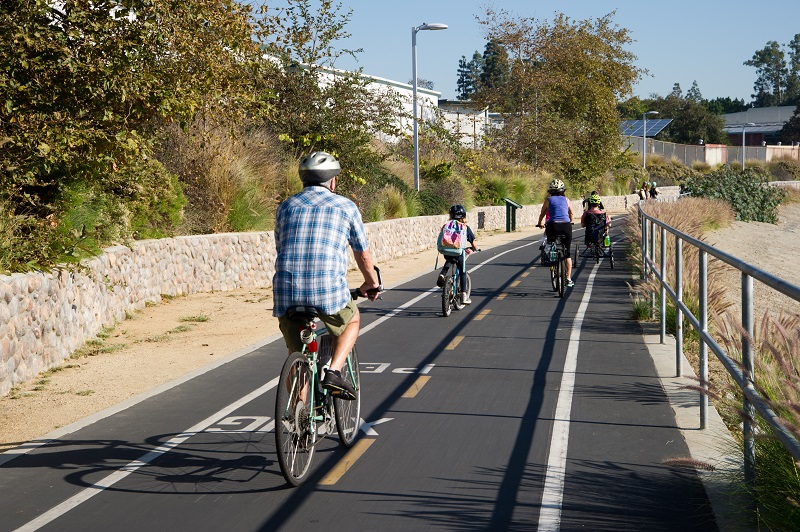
{"x": 355, "y": 293}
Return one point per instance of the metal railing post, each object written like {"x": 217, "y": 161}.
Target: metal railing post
{"x": 747, "y": 364}
{"x": 703, "y": 301}
{"x": 663, "y": 292}
{"x": 643, "y": 225}
{"x": 678, "y": 311}
{"x": 652, "y": 256}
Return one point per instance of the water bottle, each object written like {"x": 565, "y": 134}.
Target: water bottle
{"x": 606, "y": 241}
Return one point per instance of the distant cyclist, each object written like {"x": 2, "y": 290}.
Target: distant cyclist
{"x": 595, "y": 220}
{"x": 313, "y": 229}
{"x": 459, "y": 213}
{"x": 560, "y": 222}
{"x": 586, "y": 201}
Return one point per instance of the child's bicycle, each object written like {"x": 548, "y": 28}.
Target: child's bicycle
{"x": 451, "y": 291}
{"x": 304, "y": 409}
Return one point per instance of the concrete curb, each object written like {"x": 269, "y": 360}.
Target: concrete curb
{"x": 714, "y": 445}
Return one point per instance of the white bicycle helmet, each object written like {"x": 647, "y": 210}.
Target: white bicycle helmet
{"x": 556, "y": 185}
{"x": 318, "y": 167}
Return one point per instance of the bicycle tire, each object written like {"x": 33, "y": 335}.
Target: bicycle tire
{"x": 562, "y": 273}
{"x": 348, "y": 412}
{"x": 294, "y": 435}
{"x": 447, "y": 296}
{"x": 611, "y": 256}
{"x": 598, "y": 252}
{"x": 575, "y": 260}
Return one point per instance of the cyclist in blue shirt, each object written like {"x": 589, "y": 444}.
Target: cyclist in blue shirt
{"x": 557, "y": 206}
{"x": 313, "y": 229}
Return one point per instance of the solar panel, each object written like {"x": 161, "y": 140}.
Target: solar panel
{"x": 633, "y": 128}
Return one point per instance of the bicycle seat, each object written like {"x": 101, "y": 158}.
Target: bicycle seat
{"x": 302, "y": 312}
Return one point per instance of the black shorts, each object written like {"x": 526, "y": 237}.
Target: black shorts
{"x": 551, "y": 229}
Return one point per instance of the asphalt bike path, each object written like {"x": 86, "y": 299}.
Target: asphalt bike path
{"x": 523, "y": 410}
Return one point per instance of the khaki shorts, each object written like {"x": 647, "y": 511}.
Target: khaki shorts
{"x": 335, "y": 323}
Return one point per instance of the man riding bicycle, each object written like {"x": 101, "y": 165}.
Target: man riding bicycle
{"x": 312, "y": 231}
{"x": 595, "y": 220}
{"x": 557, "y": 206}
{"x": 459, "y": 213}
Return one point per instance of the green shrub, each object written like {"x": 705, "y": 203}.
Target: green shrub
{"x": 748, "y": 193}
{"x": 430, "y": 203}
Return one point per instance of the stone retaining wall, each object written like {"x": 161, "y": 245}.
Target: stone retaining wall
{"x": 45, "y": 317}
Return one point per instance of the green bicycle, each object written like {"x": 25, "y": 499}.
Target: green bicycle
{"x": 304, "y": 410}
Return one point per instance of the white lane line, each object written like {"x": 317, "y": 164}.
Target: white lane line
{"x": 553, "y": 495}
{"x": 87, "y": 493}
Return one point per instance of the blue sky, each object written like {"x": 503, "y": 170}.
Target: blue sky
{"x": 677, "y": 41}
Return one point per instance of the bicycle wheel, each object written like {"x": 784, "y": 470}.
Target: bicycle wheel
{"x": 294, "y": 437}
{"x": 554, "y": 277}
{"x": 348, "y": 413}
{"x": 611, "y": 256}
{"x": 598, "y": 252}
{"x": 447, "y": 296}
{"x": 575, "y": 259}
{"x": 562, "y": 273}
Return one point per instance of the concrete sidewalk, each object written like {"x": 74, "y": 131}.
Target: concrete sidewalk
{"x": 714, "y": 447}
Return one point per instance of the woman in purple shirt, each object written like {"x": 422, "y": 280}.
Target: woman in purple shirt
{"x": 559, "y": 212}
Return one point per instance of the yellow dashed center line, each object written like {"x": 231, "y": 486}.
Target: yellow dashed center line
{"x": 502, "y": 296}
{"x": 482, "y": 314}
{"x": 452, "y": 345}
{"x": 347, "y": 462}
{"x": 524, "y": 274}
{"x": 515, "y": 283}
{"x": 416, "y": 387}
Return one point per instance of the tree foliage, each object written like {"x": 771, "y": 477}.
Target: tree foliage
{"x": 791, "y": 129}
{"x": 777, "y": 81}
{"x": 559, "y": 97}
{"x": 469, "y": 73}
{"x": 323, "y": 108}
{"x": 84, "y": 84}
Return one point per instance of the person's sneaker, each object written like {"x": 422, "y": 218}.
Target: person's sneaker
{"x": 570, "y": 284}
{"x": 465, "y": 300}
{"x": 440, "y": 280}
{"x": 337, "y": 386}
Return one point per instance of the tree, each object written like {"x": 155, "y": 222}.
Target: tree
{"x": 791, "y": 129}
{"x": 323, "y": 108}
{"x": 559, "y": 99}
{"x": 720, "y": 106}
{"x": 793, "y": 79}
{"x": 694, "y": 93}
{"x": 770, "y": 85}
{"x": 422, "y": 83}
{"x": 468, "y": 75}
{"x": 494, "y": 71}
{"x": 86, "y": 84}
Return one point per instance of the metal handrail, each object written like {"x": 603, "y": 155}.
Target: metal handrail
{"x": 753, "y": 401}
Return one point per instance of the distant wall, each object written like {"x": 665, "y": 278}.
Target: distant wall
{"x": 45, "y": 317}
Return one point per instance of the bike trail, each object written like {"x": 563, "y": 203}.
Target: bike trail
{"x": 522, "y": 411}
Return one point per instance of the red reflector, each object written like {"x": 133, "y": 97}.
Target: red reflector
{"x": 313, "y": 346}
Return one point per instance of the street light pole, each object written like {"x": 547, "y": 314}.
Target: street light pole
{"x": 644, "y": 137}
{"x": 414, "y": 31}
{"x": 744, "y": 149}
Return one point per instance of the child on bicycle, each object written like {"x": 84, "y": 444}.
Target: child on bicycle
{"x": 459, "y": 213}
{"x": 595, "y": 220}
{"x": 557, "y": 206}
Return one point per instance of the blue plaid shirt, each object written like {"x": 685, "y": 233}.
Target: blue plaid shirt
{"x": 312, "y": 231}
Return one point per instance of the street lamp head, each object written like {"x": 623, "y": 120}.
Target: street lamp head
{"x": 434, "y": 26}
{"x": 651, "y": 113}
{"x": 750, "y": 124}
